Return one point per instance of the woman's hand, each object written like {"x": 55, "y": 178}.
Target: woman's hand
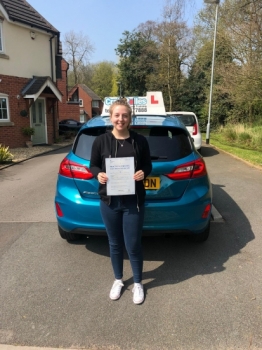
{"x": 102, "y": 178}
{"x": 139, "y": 175}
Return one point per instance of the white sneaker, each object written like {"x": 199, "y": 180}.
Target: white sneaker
{"x": 115, "y": 291}
{"x": 138, "y": 291}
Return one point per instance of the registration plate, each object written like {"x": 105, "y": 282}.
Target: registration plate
{"x": 152, "y": 183}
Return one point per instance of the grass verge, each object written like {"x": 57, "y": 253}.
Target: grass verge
{"x": 249, "y": 155}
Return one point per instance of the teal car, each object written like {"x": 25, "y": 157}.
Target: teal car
{"x": 178, "y": 190}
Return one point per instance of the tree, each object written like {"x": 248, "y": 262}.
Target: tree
{"x": 77, "y": 49}
{"x": 243, "y": 20}
{"x": 87, "y": 73}
{"x": 137, "y": 56}
{"x": 174, "y": 45}
{"x": 238, "y": 73}
{"x": 103, "y": 77}
{"x": 197, "y": 85}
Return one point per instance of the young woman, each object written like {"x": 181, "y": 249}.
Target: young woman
{"x": 123, "y": 216}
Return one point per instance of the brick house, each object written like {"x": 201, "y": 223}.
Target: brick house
{"x": 31, "y": 75}
{"x": 90, "y": 104}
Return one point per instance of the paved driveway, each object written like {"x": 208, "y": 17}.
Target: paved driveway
{"x": 198, "y": 296}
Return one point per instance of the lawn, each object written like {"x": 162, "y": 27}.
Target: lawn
{"x": 247, "y": 151}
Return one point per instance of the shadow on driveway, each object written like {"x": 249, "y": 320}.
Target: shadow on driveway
{"x": 207, "y": 151}
{"x": 180, "y": 258}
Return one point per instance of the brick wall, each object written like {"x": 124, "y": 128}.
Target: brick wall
{"x": 11, "y": 135}
{"x": 66, "y": 110}
{"x": 87, "y": 102}
{"x": 10, "y": 132}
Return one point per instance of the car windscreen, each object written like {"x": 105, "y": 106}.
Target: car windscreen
{"x": 187, "y": 119}
{"x": 165, "y": 143}
{"x": 84, "y": 141}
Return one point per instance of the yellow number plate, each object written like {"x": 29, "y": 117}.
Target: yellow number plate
{"x": 152, "y": 183}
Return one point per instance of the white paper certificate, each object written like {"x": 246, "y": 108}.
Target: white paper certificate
{"x": 120, "y": 172}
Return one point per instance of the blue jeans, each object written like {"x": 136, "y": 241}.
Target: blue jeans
{"x": 124, "y": 224}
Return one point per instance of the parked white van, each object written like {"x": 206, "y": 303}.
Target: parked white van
{"x": 191, "y": 123}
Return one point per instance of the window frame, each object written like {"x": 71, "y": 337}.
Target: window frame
{"x": 81, "y": 102}
{"x": 82, "y": 118}
{"x": 7, "y": 108}
{"x": 95, "y": 103}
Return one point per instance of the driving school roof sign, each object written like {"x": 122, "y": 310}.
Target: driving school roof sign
{"x": 152, "y": 103}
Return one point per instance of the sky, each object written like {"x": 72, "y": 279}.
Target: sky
{"x": 104, "y": 21}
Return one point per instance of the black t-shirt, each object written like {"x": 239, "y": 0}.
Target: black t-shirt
{"x": 125, "y": 148}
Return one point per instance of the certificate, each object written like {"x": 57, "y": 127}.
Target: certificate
{"x": 120, "y": 172}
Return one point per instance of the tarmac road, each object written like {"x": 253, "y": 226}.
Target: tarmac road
{"x": 198, "y": 296}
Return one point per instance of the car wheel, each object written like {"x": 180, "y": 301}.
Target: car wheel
{"x": 200, "y": 237}
{"x": 69, "y": 236}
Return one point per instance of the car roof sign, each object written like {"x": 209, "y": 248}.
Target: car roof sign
{"x": 147, "y": 120}
{"x": 151, "y": 104}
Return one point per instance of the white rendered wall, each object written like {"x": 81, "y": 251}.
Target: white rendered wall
{"x": 27, "y": 56}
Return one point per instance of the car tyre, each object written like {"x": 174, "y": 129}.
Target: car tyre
{"x": 200, "y": 237}
{"x": 69, "y": 236}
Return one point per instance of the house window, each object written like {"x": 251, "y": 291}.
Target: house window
{"x": 81, "y": 104}
{"x": 82, "y": 118}
{"x": 40, "y": 112}
{"x": 4, "y": 113}
{"x": 95, "y": 104}
{"x": 33, "y": 113}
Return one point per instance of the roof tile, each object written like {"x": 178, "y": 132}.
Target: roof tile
{"x": 21, "y": 11}
{"x": 90, "y": 92}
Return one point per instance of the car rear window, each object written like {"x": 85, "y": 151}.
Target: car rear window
{"x": 187, "y": 119}
{"x": 165, "y": 143}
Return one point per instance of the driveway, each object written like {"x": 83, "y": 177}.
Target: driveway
{"x": 198, "y": 296}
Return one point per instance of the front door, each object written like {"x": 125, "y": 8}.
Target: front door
{"x": 38, "y": 121}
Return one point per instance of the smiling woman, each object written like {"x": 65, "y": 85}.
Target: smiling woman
{"x": 120, "y": 161}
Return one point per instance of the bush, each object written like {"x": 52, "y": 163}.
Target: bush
{"x": 257, "y": 141}
{"x": 28, "y": 131}
{"x": 244, "y": 137}
{"x": 5, "y": 155}
{"x": 60, "y": 139}
{"x": 230, "y": 134}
